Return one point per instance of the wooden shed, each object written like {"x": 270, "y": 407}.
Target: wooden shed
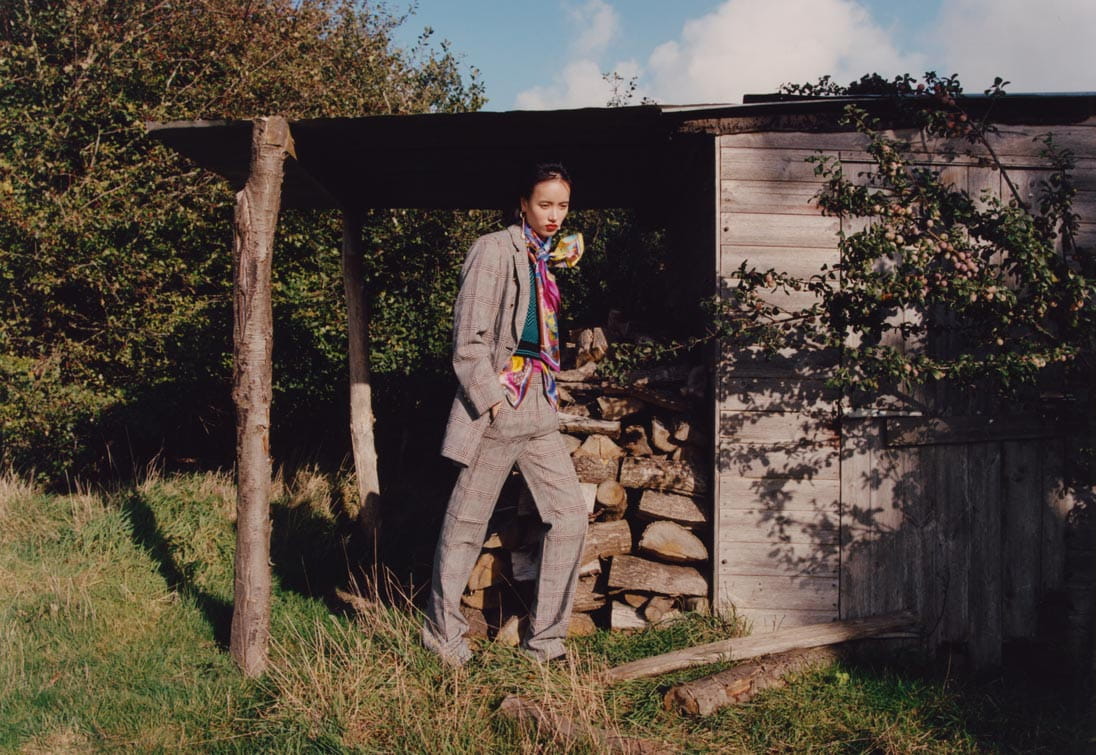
{"x": 821, "y": 509}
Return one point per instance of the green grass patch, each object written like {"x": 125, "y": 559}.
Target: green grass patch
{"x": 114, "y": 612}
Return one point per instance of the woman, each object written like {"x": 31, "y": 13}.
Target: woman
{"x": 505, "y": 352}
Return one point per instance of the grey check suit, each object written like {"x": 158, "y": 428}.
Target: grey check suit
{"x": 488, "y": 317}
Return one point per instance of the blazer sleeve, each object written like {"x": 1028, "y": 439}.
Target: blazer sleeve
{"x": 474, "y": 317}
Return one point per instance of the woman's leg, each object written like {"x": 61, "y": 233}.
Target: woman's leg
{"x": 550, "y": 475}
{"x": 462, "y": 534}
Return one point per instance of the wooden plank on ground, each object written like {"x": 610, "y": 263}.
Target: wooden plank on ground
{"x": 754, "y": 646}
{"x": 702, "y": 697}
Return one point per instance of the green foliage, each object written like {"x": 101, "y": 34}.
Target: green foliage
{"x": 115, "y": 253}
{"x": 938, "y": 283}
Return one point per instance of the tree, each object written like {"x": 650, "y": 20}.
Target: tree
{"x": 114, "y": 263}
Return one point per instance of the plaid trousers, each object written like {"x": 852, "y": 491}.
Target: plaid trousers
{"x": 528, "y": 436}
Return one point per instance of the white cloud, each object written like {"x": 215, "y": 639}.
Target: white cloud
{"x": 1043, "y": 46}
{"x": 757, "y": 45}
{"x": 599, "y": 25}
{"x": 579, "y": 82}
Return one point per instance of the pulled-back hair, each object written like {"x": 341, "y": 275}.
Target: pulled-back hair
{"x": 533, "y": 176}
{"x": 542, "y": 172}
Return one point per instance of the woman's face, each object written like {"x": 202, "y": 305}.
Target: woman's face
{"x": 547, "y": 206}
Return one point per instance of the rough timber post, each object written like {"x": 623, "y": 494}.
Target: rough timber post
{"x": 361, "y": 401}
{"x": 253, "y": 242}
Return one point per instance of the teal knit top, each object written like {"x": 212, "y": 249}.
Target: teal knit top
{"x": 530, "y": 334}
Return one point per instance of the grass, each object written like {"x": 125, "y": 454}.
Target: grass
{"x": 114, "y": 609}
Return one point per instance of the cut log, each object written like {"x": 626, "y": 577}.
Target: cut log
{"x": 594, "y": 470}
{"x": 658, "y": 474}
{"x": 688, "y": 433}
{"x": 698, "y": 605}
{"x": 490, "y": 569}
{"x": 581, "y": 625}
{"x": 477, "y": 622}
{"x": 591, "y": 568}
{"x": 577, "y": 375}
{"x": 524, "y": 565}
{"x": 676, "y": 508}
{"x": 601, "y": 447}
{"x": 782, "y": 640}
{"x": 592, "y": 346}
{"x": 569, "y": 734}
{"x": 481, "y": 599}
{"x": 634, "y": 599}
{"x": 589, "y": 494}
{"x": 569, "y": 422}
{"x": 671, "y": 542}
{"x": 651, "y": 396}
{"x": 675, "y": 373}
{"x": 587, "y": 598}
{"x": 616, "y": 407}
{"x": 705, "y": 696}
{"x": 605, "y": 539}
{"x": 510, "y": 632}
{"x": 632, "y": 573}
{"x": 613, "y": 499}
{"x": 657, "y": 607}
{"x": 692, "y": 455}
{"x": 660, "y": 436}
{"x": 571, "y": 443}
{"x": 634, "y": 439}
{"x": 624, "y": 617}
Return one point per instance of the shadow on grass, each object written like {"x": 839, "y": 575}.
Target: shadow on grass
{"x": 147, "y": 534}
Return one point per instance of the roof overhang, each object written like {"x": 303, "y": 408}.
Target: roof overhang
{"x": 618, "y": 157}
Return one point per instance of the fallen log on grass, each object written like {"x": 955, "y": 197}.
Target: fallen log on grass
{"x": 568, "y": 732}
{"x": 754, "y": 646}
{"x": 702, "y": 697}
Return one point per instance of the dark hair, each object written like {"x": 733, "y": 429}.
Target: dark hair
{"x": 542, "y": 172}
{"x": 529, "y": 180}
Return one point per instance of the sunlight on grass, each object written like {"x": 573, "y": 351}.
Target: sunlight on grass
{"x": 114, "y": 608}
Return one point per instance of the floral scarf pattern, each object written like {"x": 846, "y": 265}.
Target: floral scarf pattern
{"x": 543, "y": 253}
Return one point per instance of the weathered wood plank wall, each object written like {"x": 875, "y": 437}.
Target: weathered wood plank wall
{"x": 820, "y": 514}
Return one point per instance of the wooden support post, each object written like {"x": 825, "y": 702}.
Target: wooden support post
{"x": 253, "y": 325}
{"x": 361, "y": 401}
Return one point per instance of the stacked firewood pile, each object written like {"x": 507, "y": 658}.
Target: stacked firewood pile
{"x": 640, "y": 448}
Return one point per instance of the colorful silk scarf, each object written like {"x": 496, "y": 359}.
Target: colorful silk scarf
{"x": 543, "y": 253}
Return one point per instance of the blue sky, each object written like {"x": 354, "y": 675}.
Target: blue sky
{"x": 551, "y": 53}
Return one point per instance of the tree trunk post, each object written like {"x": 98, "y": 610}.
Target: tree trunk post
{"x": 361, "y": 401}
{"x": 256, "y": 219}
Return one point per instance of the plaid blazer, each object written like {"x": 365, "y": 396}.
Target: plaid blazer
{"x": 487, "y": 322}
